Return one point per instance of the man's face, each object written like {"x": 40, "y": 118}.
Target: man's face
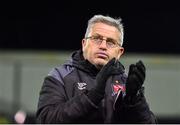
{"x": 100, "y": 54}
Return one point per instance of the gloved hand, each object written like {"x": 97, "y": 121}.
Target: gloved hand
{"x": 111, "y": 68}
{"x": 136, "y": 77}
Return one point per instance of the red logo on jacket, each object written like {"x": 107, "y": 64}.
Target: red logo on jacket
{"x": 117, "y": 87}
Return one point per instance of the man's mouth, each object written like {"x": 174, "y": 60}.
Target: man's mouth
{"x": 102, "y": 55}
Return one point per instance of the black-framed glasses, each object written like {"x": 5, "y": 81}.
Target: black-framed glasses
{"x": 110, "y": 43}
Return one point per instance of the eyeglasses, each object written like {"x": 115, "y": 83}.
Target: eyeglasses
{"x": 110, "y": 43}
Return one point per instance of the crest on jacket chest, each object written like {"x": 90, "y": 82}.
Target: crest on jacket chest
{"x": 116, "y": 87}
{"x": 81, "y": 85}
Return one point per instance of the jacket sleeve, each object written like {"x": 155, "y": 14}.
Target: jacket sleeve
{"x": 137, "y": 112}
{"x": 55, "y": 107}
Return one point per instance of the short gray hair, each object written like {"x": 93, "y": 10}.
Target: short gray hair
{"x": 106, "y": 20}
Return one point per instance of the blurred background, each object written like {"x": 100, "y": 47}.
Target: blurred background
{"x": 37, "y": 36}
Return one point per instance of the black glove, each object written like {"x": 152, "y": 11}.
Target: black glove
{"x": 135, "y": 80}
{"x": 96, "y": 94}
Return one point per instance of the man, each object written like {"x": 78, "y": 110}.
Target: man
{"x": 92, "y": 86}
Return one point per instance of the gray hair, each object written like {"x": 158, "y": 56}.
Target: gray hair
{"x": 106, "y": 20}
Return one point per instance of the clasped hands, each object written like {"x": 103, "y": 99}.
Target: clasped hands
{"x": 134, "y": 82}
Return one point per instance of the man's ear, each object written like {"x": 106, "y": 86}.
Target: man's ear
{"x": 83, "y": 43}
{"x": 121, "y": 51}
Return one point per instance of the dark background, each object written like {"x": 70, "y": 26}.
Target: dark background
{"x": 150, "y": 26}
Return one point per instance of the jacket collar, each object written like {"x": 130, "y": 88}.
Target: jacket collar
{"x": 79, "y": 62}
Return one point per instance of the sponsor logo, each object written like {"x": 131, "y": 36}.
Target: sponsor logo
{"x": 81, "y": 85}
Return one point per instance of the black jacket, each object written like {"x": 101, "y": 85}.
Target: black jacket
{"x": 63, "y": 97}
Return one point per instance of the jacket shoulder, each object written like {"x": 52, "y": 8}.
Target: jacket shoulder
{"x": 60, "y": 72}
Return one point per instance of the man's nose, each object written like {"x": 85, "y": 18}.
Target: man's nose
{"x": 103, "y": 43}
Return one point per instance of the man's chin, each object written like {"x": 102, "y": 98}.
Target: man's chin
{"x": 99, "y": 66}
{"x": 100, "y": 63}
